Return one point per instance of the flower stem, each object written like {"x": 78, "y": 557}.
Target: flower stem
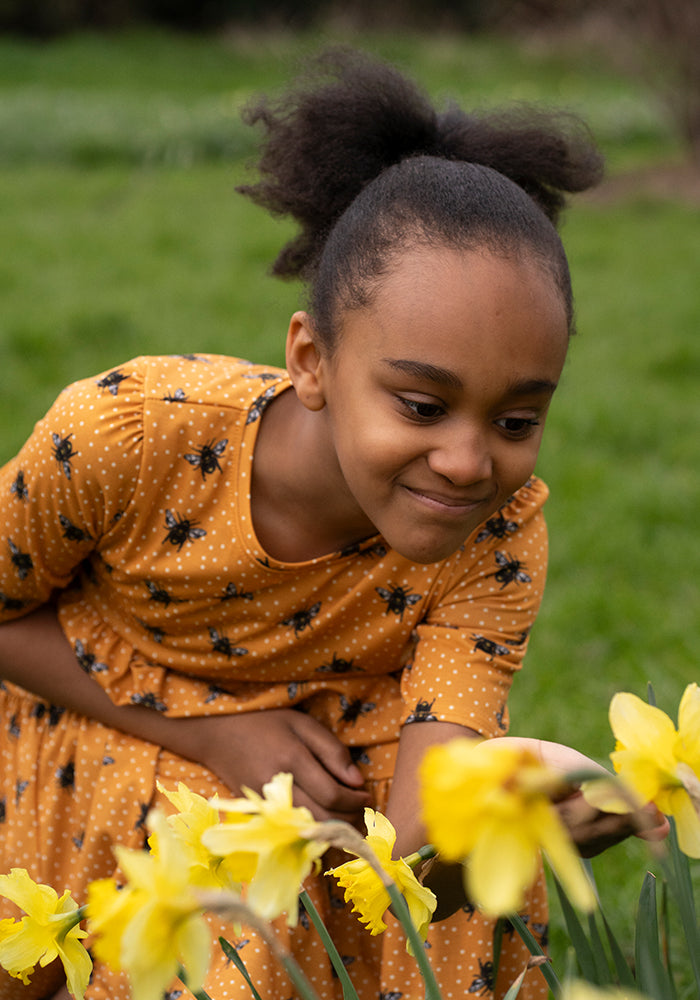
{"x": 349, "y": 992}
{"x": 400, "y": 910}
{"x": 535, "y": 949}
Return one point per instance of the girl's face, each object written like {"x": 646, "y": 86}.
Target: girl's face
{"x": 436, "y": 395}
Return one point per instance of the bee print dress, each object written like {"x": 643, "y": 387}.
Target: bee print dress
{"x": 129, "y": 506}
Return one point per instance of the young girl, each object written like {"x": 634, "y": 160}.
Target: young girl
{"x": 212, "y": 571}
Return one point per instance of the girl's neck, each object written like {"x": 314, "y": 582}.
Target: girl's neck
{"x": 300, "y": 505}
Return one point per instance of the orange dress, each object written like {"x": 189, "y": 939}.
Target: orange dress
{"x": 131, "y": 502}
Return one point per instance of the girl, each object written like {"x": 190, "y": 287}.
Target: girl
{"x": 354, "y": 547}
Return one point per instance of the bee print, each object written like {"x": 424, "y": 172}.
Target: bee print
{"x": 391, "y": 995}
{"x": 112, "y": 381}
{"x": 11, "y": 603}
{"x": 19, "y": 486}
{"x": 497, "y": 527}
{"x": 143, "y": 813}
{"x": 397, "y": 599}
{"x": 206, "y": 458}
{"x": 294, "y": 688}
{"x": 500, "y": 715}
{"x": 149, "y": 700}
{"x": 489, "y": 647}
{"x": 179, "y": 396}
{"x": 65, "y": 776}
{"x": 222, "y": 644}
{"x": 483, "y": 983}
{"x": 22, "y": 561}
{"x": 3, "y": 809}
{"x": 160, "y": 595}
{"x": 63, "y": 452}
{"x": 172, "y": 995}
{"x": 469, "y": 909}
{"x": 72, "y": 532}
{"x": 259, "y": 405}
{"x": 422, "y": 712}
{"x": 303, "y": 916}
{"x": 107, "y": 760}
{"x": 511, "y": 571}
{"x": 20, "y": 789}
{"x": 302, "y": 619}
{"x": 352, "y": 710}
{"x": 337, "y": 665}
{"x": 181, "y": 530}
{"x": 13, "y": 727}
{"x": 542, "y": 931}
{"x": 191, "y": 357}
{"x": 55, "y": 715}
{"x": 263, "y": 376}
{"x": 359, "y": 755}
{"x": 347, "y": 960}
{"x": 87, "y": 660}
{"x": 378, "y": 550}
{"x": 232, "y": 592}
{"x": 214, "y": 692}
{"x": 157, "y": 634}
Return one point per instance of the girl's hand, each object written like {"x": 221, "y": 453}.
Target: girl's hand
{"x": 249, "y": 748}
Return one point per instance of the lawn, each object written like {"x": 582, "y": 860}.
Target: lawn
{"x": 123, "y": 235}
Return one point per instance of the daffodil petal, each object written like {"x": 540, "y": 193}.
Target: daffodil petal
{"x": 689, "y": 727}
{"x": 607, "y": 795}
{"x": 687, "y": 823}
{"x": 77, "y": 965}
{"x": 638, "y": 725}
{"x": 32, "y": 897}
{"x": 501, "y": 867}
{"x": 565, "y": 861}
{"x": 193, "y": 945}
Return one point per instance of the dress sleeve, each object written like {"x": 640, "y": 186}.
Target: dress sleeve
{"x": 68, "y": 487}
{"x": 475, "y": 633}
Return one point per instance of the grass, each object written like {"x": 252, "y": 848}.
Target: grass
{"x": 123, "y": 235}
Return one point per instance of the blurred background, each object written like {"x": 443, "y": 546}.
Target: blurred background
{"x": 122, "y": 234}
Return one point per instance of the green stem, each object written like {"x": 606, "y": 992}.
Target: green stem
{"x": 349, "y": 992}
{"x": 535, "y": 949}
{"x": 677, "y": 874}
{"x": 230, "y": 952}
{"x": 400, "y": 910}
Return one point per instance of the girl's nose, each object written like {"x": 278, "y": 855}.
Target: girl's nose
{"x": 463, "y": 458}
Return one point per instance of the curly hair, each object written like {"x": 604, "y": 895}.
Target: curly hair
{"x": 357, "y": 155}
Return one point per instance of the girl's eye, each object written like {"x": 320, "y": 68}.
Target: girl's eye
{"x": 422, "y": 411}
{"x": 518, "y": 427}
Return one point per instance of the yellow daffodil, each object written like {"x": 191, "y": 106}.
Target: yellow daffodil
{"x": 154, "y": 924}
{"x": 278, "y": 834}
{"x": 195, "y": 815}
{"x": 49, "y": 930}
{"x": 656, "y": 762}
{"x": 578, "y": 990}
{"x": 489, "y": 806}
{"x": 364, "y": 888}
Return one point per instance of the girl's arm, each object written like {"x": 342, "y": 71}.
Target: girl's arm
{"x": 35, "y": 655}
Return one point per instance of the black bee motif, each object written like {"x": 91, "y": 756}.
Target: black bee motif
{"x": 181, "y": 530}
{"x": 483, "y": 983}
{"x": 294, "y": 687}
{"x": 149, "y": 700}
{"x": 206, "y": 458}
{"x": 359, "y": 755}
{"x": 263, "y": 376}
{"x": 71, "y": 531}
{"x": 172, "y": 995}
{"x": 112, "y": 381}
{"x": 509, "y": 926}
{"x": 63, "y": 452}
{"x": 352, "y": 710}
{"x": 222, "y": 644}
{"x": 88, "y": 660}
{"x": 157, "y": 634}
{"x": 378, "y": 550}
{"x": 65, "y": 776}
{"x": 422, "y": 712}
{"x": 78, "y": 840}
{"x": 3, "y": 809}
{"x": 302, "y": 619}
{"x": 232, "y": 592}
{"x": 397, "y": 599}
{"x": 55, "y": 714}
{"x": 22, "y": 561}
{"x": 489, "y": 647}
{"x": 497, "y": 527}
{"x": 19, "y": 487}
{"x": 144, "y": 809}
{"x": 13, "y": 727}
{"x": 391, "y": 995}
{"x": 469, "y": 909}
{"x": 160, "y": 595}
{"x": 11, "y": 603}
{"x": 107, "y": 760}
{"x": 511, "y": 571}
{"x": 179, "y": 396}
{"x": 20, "y": 789}
{"x": 303, "y": 916}
{"x": 259, "y": 405}
{"x": 337, "y": 665}
{"x": 214, "y": 692}
{"x": 500, "y": 715}
{"x": 192, "y": 357}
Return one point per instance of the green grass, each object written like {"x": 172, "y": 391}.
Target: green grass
{"x": 122, "y": 234}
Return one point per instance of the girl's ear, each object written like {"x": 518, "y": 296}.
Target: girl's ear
{"x": 304, "y": 362}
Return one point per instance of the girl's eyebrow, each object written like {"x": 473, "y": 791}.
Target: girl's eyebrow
{"x": 445, "y": 377}
{"x": 423, "y": 370}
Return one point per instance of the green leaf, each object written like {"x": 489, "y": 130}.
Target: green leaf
{"x": 579, "y": 940}
{"x": 232, "y": 954}
{"x": 652, "y": 975}
{"x": 349, "y": 992}
{"x": 535, "y": 949}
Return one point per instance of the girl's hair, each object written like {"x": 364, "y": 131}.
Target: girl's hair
{"x": 358, "y": 156}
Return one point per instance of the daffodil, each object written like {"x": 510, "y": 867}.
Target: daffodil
{"x": 49, "y": 929}
{"x": 656, "y": 763}
{"x": 365, "y": 890}
{"x": 154, "y": 924}
{"x": 579, "y": 990}
{"x": 195, "y": 815}
{"x": 489, "y": 806}
{"x": 280, "y": 835}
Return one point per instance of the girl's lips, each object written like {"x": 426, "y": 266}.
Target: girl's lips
{"x": 455, "y": 505}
